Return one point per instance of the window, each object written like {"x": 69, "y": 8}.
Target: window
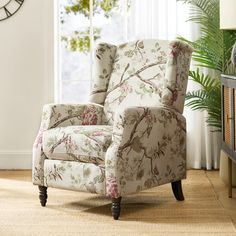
{"x": 79, "y": 30}
{"x": 113, "y": 21}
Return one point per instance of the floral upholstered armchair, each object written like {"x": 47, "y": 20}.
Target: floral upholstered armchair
{"x": 131, "y": 136}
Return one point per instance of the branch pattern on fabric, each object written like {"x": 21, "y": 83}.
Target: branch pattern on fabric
{"x": 140, "y": 67}
{"x": 75, "y": 176}
{"x": 61, "y": 115}
{"x": 76, "y": 143}
{"x": 150, "y": 136}
{"x": 103, "y": 60}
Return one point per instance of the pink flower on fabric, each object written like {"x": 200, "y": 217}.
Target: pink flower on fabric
{"x": 67, "y": 141}
{"x": 125, "y": 88}
{"x": 89, "y": 116}
{"x": 112, "y": 187}
{"x": 174, "y": 48}
{"x": 149, "y": 118}
{"x": 174, "y": 96}
{"x": 98, "y": 133}
{"x": 39, "y": 139}
{"x": 69, "y": 144}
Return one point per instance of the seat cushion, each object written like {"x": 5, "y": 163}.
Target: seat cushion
{"x": 86, "y": 144}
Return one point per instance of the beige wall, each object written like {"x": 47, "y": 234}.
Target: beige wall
{"x": 26, "y": 79}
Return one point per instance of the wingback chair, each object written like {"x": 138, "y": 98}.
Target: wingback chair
{"x": 131, "y": 136}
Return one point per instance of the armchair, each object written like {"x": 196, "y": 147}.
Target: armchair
{"x": 131, "y": 136}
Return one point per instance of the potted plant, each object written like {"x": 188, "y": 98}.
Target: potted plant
{"x": 212, "y": 54}
{"x": 212, "y": 51}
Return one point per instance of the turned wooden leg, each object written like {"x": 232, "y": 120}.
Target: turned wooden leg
{"x": 177, "y": 190}
{"x": 43, "y": 195}
{"x": 230, "y": 177}
{"x": 115, "y": 207}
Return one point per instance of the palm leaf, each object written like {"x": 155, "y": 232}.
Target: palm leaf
{"x": 208, "y": 97}
{"x": 212, "y": 50}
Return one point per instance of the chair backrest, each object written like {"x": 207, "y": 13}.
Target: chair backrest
{"x": 141, "y": 73}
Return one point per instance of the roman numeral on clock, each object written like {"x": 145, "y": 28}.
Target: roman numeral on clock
{"x": 9, "y": 7}
{"x": 7, "y": 12}
{"x": 19, "y": 1}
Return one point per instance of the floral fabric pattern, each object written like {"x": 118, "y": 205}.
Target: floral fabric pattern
{"x": 176, "y": 76}
{"x": 148, "y": 149}
{"x": 138, "y": 74}
{"x": 78, "y": 143}
{"x": 103, "y": 60}
{"x": 61, "y": 115}
{"x": 78, "y": 176}
{"x": 133, "y": 136}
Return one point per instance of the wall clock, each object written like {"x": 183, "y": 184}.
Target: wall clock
{"x": 9, "y": 7}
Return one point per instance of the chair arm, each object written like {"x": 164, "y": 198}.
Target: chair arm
{"x": 61, "y": 115}
{"x": 148, "y": 149}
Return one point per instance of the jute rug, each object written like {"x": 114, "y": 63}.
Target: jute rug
{"x": 154, "y": 212}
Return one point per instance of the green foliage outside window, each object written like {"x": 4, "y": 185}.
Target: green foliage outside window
{"x": 80, "y": 41}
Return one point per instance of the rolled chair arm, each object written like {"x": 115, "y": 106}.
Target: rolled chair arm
{"x": 61, "y": 115}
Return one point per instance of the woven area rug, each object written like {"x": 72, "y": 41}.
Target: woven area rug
{"x": 154, "y": 212}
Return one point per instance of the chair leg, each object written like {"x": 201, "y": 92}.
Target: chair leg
{"x": 115, "y": 207}
{"x": 43, "y": 195}
{"x": 177, "y": 190}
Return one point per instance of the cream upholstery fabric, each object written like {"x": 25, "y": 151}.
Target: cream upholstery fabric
{"x": 84, "y": 143}
{"x": 85, "y": 177}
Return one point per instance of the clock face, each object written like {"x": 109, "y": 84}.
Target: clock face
{"x": 9, "y": 8}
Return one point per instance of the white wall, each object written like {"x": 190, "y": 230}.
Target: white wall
{"x": 26, "y": 79}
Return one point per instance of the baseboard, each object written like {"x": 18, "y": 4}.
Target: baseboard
{"x": 11, "y": 160}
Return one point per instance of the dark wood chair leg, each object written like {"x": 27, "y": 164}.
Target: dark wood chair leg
{"x": 43, "y": 195}
{"x": 177, "y": 190}
{"x": 115, "y": 207}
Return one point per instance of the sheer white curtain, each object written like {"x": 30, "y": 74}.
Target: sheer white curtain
{"x": 157, "y": 19}
{"x": 165, "y": 20}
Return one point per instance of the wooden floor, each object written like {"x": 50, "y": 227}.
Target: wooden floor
{"x": 206, "y": 211}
